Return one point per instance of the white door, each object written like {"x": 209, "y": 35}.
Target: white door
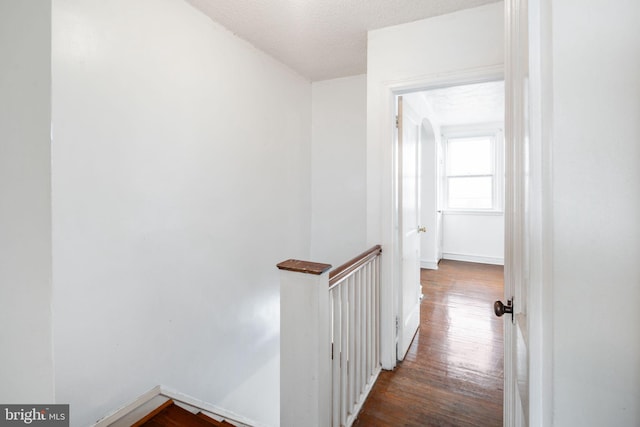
{"x": 408, "y": 319}
{"x": 517, "y": 220}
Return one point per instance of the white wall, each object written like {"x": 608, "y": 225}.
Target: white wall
{"x": 181, "y": 160}
{"x": 473, "y": 237}
{"x": 339, "y": 125}
{"x": 596, "y": 227}
{"x": 26, "y": 364}
{"x": 451, "y": 48}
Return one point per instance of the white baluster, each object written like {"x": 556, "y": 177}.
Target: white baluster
{"x": 337, "y": 350}
{"x": 352, "y": 343}
{"x": 343, "y": 358}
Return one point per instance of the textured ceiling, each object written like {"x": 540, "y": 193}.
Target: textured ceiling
{"x": 320, "y": 39}
{"x": 466, "y": 104}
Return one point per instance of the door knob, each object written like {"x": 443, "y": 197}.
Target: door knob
{"x": 499, "y": 308}
{"x": 422, "y": 229}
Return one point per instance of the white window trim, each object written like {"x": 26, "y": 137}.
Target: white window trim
{"x": 495, "y": 132}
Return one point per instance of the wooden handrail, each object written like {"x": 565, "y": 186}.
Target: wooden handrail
{"x": 307, "y": 267}
{"x": 350, "y": 266}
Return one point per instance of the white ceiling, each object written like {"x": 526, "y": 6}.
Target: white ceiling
{"x": 466, "y": 104}
{"x": 320, "y": 39}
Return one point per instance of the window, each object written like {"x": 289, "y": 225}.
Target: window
{"x": 473, "y": 172}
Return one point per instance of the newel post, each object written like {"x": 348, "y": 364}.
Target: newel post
{"x": 305, "y": 350}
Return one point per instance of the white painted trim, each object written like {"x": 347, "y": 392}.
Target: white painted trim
{"x": 140, "y": 412}
{"x": 442, "y": 80}
{"x": 192, "y": 404}
{"x": 511, "y": 37}
{"x": 429, "y": 265}
{"x": 121, "y": 412}
{"x": 496, "y": 136}
{"x": 390, "y": 261}
{"x": 229, "y": 416}
{"x": 473, "y": 258}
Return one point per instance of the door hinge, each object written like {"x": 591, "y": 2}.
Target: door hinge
{"x": 397, "y": 325}
{"x": 397, "y": 122}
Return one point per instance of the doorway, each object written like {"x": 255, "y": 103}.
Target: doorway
{"x": 462, "y": 209}
{"x": 467, "y": 48}
{"x": 462, "y": 177}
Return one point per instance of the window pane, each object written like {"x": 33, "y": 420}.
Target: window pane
{"x": 470, "y": 193}
{"x": 469, "y": 156}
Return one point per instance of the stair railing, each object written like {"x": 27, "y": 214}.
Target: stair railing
{"x": 329, "y": 339}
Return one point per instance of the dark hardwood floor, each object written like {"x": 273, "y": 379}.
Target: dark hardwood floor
{"x": 452, "y": 374}
{"x": 171, "y": 415}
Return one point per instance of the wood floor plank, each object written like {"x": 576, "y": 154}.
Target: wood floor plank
{"x": 453, "y": 372}
{"x": 153, "y": 413}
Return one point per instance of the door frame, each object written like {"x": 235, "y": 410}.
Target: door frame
{"x": 391, "y": 262}
{"x": 380, "y": 203}
{"x": 540, "y": 198}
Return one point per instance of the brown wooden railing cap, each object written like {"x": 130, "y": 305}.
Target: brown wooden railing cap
{"x": 351, "y": 265}
{"x": 307, "y": 267}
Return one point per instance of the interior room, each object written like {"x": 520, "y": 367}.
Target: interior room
{"x": 465, "y": 217}
{"x": 456, "y": 350}
{"x": 160, "y": 159}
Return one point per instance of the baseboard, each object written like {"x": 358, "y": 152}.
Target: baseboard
{"x": 131, "y": 408}
{"x": 150, "y": 400}
{"x": 229, "y": 416}
{"x": 430, "y": 265}
{"x": 473, "y": 258}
